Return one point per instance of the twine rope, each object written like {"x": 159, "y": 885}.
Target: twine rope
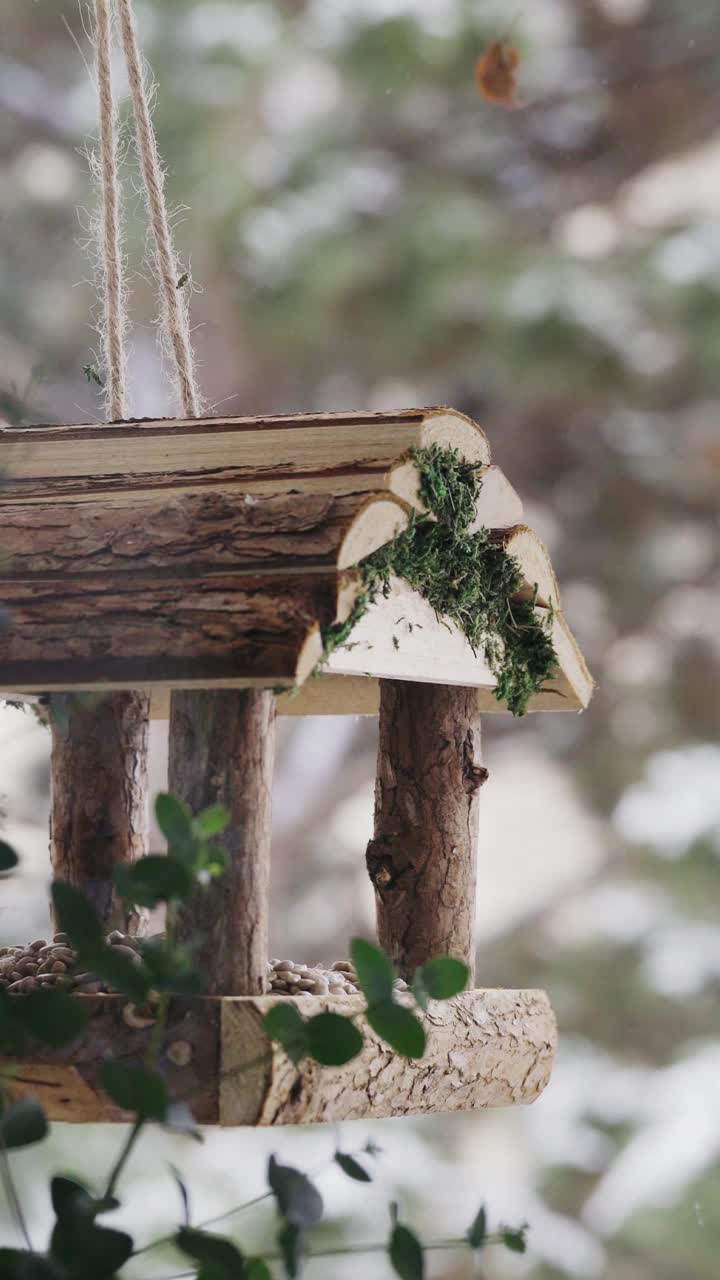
{"x": 111, "y": 265}
{"x": 173, "y": 307}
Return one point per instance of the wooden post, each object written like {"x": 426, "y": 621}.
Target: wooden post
{"x": 99, "y": 794}
{"x": 422, "y": 857}
{"x": 222, "y": 748}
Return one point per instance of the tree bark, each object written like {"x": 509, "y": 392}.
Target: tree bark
{"x": 422, "y": 859}
{"x": 99, "y": 794}
{"x": 222, "y": 747}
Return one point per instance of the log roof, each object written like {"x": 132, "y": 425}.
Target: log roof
{"x": 214, "y": 553}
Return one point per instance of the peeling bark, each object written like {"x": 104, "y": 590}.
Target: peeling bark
{"x": 222, "y": 747}
{"x": 422, "y": 859}
{"x": 99, "y": 794}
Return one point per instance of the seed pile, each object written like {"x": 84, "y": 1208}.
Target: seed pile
{"x": 48, "y": 964}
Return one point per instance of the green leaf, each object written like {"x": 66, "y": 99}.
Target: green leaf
{"x": 125, "y": 975}
{"x": 333, "y": 1039}
{"x": 176, "y": 823}
{"x": 13, "y": 1034}
{"x": 22, "y": 1124}
{"x": 374, "y": 971}
{"x": 135, "y": 1089}
{"x": 8, "y": 857}
{"x": 477, "y": 1232}
{"x": 212, "y": 821}
{"x": 154, "y": 879}
{"x": 100, "y": 1252}
{"x": 76, "y": 917}
{"x": 406, "y": 1254}
{"x": 299, "y": 1202}
{"x": 443, "y": 977}
{"x": 215, "y": 1252}
{"x": 170, "y": 967}
{"x": 514, "y": 1239}
{"x": 284, "y": 1024}
{"x": 256, "y": 1269}
{"x": 18, "y": 1265}
{"x": 52, "y": 1016}
{"x": 352, "y": 1167}
{"x": 70, "y": 1199}
{"x": 398, "y": 1027}
{"x": 292, "y": 1247}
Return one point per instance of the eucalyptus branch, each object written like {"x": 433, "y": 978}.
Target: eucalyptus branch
{"x": 123, "y": 1158}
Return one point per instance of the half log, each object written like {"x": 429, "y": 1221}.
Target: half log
{"x": 222, "y": 748}
{"x": 99, "y": 794}
{"x": 422, "y": 858}
{"x": 485, "y": 1049}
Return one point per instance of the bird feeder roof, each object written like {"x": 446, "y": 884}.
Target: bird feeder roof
{"x": 218, "y": 553}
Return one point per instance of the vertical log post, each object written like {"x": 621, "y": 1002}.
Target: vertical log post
{"x": 222, "y": 749}
{"x": 99, "y": 794}
{"x": 422, "y": 859}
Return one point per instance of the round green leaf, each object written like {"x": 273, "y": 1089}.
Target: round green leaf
{"x": 125, "y": 975}
{"x": 284, "y": 1024}
{"x": 299, "y": 1202}
{"x": 352, "y": 1167}
{"x": 52, "y": 1016}
{"x": 398, "y": 1027}
{"x": 22, "y": 1124}
{"x": 406, "y": 1254}
{"x": 154, "y": 879}
{"x": 75, "y": 916}
{"x": 333, "y": 1039}
{"x": 444, "y": 977}
{"x": 175, "y": 821}
{"x": 211, "y": 1251}
{"x": 8, "y": 857}
{"x": 135, "y": 1089}
{"x": 514, "y": 1240}
{"x": 212, "y": 821}
{"x": 256, "y": 1269}
{"x": 374, "y": 971}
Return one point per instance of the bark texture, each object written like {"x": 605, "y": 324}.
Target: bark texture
{"x": 422, "y": 859}
{"x": 66, "y": 1081}
{"x": 485, "y": 1049}
{"x": 222, "y": 747}
{"x": 99, "y": 814}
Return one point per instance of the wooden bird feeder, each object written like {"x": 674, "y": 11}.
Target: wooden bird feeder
{"x": 203, "y": 565}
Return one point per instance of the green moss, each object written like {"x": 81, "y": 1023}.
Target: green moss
{"x": 466, "y": 577}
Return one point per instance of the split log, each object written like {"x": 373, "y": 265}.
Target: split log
{"x": 422, "y": 858}
{"x": 486, "y": 1048}
{"x": 99, "y": 814}
{"x": 336, "y": 452}
{"x": 222, "y": 747}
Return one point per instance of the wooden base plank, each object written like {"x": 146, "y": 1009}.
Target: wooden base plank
{"x": 486, "y": 1048}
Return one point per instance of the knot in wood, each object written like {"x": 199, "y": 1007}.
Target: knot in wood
{"x": 379, "y": 865}
{"x": 474, "y": 777}
{"x": 139, "y": 1017}
{"x": 180, "y": 1053}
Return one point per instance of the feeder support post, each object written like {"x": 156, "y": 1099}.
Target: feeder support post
{"x": 99, "y": 815}
{"x": 422, "y": 858}
{"x": 222, "y": 749}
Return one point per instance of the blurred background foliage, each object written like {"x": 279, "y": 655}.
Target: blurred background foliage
{"x": 364, "y": 231}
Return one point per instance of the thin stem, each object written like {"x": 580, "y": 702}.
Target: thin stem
{"x": 123, "y": 1158}
{"x": 342, "y": 1251}
{"x": 12, "y": 1195}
